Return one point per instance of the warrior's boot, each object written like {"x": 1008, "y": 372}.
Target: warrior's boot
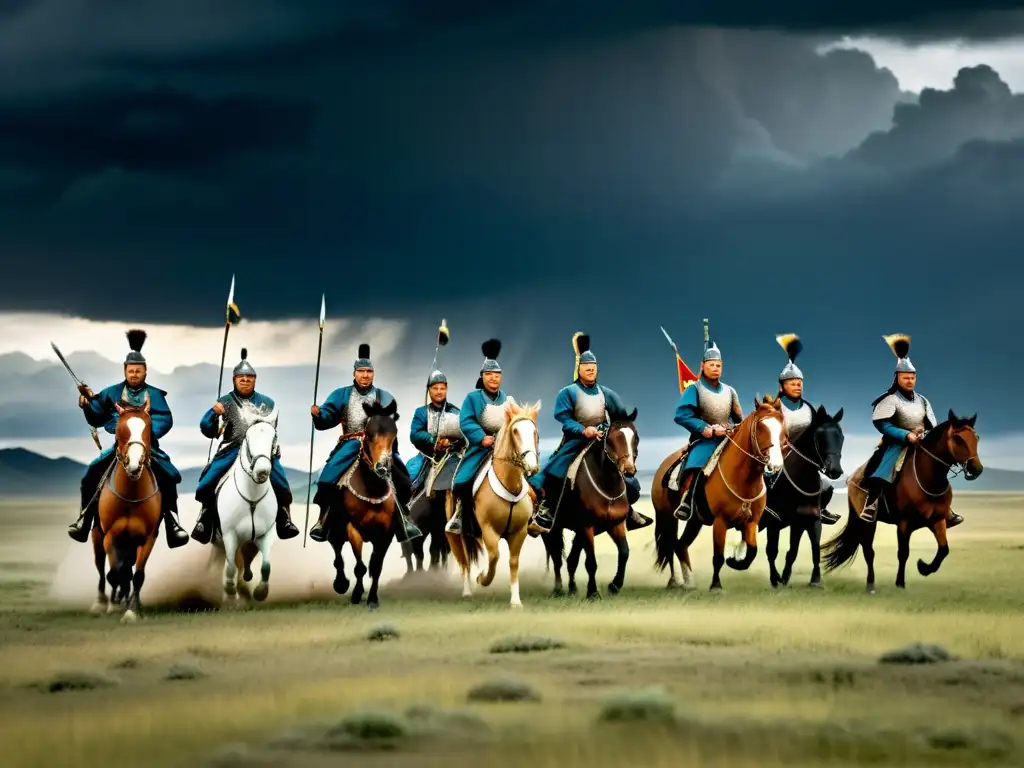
{"x": 953, "y": 520}
{"x": 319, "y": 530}
{"x": 461, "y": 505}
{"x": 407, "y": 530}
{"x": 176, "y": 535}
{"x": 207, "y": 522}
{"x": 636, "y": 520}
{"x": 82, "y": 527}
{"x": 684, "y": 510}
{"x": 544, "y": 517}
{"x": 829, "y": 518}
{"x": 869, "y": 513}
{"x": 285, "y": 527}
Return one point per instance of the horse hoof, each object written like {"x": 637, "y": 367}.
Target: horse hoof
{"x": 341, "y": 586}
{"x": 98, "y": 608}
{"x": 247, "y": 575}
{"x": 372, "y": 606}
{"x": 870, "y": 589}
{"x": 594, "y": 597}
{"x": 613, "y": 589}
{"x": 115, "y": 608}
{"x": 715, "y": 588}
{"x": 923, "y": 569}
{"x": 516, "y": 605}
{"x": 673, "y": 583}
{"x": 558, "y": 592}
{"x": 816, "y": 584}
{"x": 261, "y": 592}
{"x": 130, "y": 617}
{"x": 357, "y": 598}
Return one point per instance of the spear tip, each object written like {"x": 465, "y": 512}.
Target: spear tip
{"x": 323, "y": 309}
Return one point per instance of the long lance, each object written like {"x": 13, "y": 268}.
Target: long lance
{"x": 312, "y": 426}
{"x": 83, "y": 389}
{"x": 231, "y": 315}
{"x": 443, "y": 337}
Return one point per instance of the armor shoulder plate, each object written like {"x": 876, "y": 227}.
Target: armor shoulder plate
{"x": 929, "y": 414}
{"x": 885, "y": 408}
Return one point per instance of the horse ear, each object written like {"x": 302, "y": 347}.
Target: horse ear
{"x": 757, "y": 403}
{"x": 631, "y": 416}
{"x": 369, "y": 407}
{"x": 952, "y": 416}
{"x": 972, "y": 420}
{"x": 534, "y": 410}
{"x": 392, "y": 409}
{"x": 838, "y": 417}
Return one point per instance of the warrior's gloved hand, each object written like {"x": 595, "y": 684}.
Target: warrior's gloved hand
{"x": 718, "y": 430}
{"x": 590, "y": 432}
{"x": 315, "y": 410}
{"x": 488, "y": 441}
{"x": 218, "y": 408}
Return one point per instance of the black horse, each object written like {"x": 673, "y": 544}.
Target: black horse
{"x": 798, "y": 497}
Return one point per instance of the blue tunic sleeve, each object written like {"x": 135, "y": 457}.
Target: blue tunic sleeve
{"x": 159, "y": 413}
{"x": 332, "y": 410}
{"x": 209, "y": 424}
{"x": 469, "y": 419}
{"x": 688, "y": 413}
{"x": 418, "y": 434}
{"x": 890, "y": 430}
{"x": 565, "y": 411}
{"x": 100, "y": 412}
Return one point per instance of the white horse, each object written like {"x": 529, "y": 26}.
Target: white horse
{"x": 247, "y": 508}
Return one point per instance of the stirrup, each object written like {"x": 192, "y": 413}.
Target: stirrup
{"x": 869, "y": 513}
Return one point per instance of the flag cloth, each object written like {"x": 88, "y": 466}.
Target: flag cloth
{"x": 686, "y": 376}
{"x": 233, "y": 315}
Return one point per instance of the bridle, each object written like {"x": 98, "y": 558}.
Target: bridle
{"x": 818, "y": 465}
{"x": 608, "y": 452}
{"x": 517, "y": 460}
{"x": 254, "y": 457}
{"x": 951, "y": 466}
{"x": 759, "y": 455}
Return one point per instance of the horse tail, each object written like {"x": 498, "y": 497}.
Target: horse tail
{"x": 471, "y": 542}
{"x": 666, "y": 534}
{"x": 841, "y": 550}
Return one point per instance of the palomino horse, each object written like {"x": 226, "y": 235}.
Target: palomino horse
{"x": 596, "y": 505}
{"x": 129, "y": 514}
{"x": 502, "y": 500}
{"x": 796, "y": 499}
{"x": 920, "y": 498}
{"x": 248, "y": 509}
{"x": 368, "y": 504}
{"x": 733, "y": 496}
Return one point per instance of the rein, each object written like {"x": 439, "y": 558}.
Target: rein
{"x": 761, "y": 458}
{"x": 606, "y": 452}
{"x": 951, "y": 466}
{"x": 110, "y": 485}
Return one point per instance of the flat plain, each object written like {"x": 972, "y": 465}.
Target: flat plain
{"x": 656, "y": 677}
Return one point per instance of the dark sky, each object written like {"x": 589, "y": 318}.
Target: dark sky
{"x": 534, "y": 168}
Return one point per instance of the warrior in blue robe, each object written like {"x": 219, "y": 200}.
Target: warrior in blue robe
{"x": 436, "y": 434}
{"x": 902, "y": 415}
{"x": 101, "y": 411}
{"x": 707, "y": 409}
{"x": 798, "y": 413}
{"x": 481, "y": 416}
{"x": 585, "y": 409}
{"x": 239, "y": 409}
{"x": 344, "y": 406}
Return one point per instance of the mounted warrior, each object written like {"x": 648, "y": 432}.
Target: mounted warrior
{"x": 229, "y": 418}
{"x": 798, "y": 413}
{"x": 585, "y": 409}
{"x": 902, "y": 415}
{"x": 344, "y": 406}
{"x": 707, "y": 409}
{"x": 101, "y": 411}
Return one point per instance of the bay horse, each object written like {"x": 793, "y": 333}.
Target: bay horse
{"x": 796, "y": 499}
{"x": 247, "y": 509}
{"x": 733, "y": 496}
{"x": 368, "y": 505}
{"x": 921, "y": 497}
{"x": 596, "y": 505}
{"x": 502, "y": 500}
{"x": 128, "y": 518}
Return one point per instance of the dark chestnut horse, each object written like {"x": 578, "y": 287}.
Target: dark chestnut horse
{"x": 796, "y": 498}
{"x": 367, "y": 499}
{"x": 597, "y": 504}
{"x": 427, "y": 511}
{"x": 921, "y": 497}
{"x": 129, "y": 515}
{"x": 733, "y": 496}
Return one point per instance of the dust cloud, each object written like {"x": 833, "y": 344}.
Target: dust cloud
{"x": 190, "y": 577}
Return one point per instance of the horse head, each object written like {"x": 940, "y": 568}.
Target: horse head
{"x": 133, "y": 436}
{"x": 259, "y": 447}
{"x": 521, "y": 440}
{"x": 768, "y": 434}
{"x": 828, "y": 441}
{"x": 622, "y": 443}
{"x": 379, "y": 436}
{"x": 962, "y": 444}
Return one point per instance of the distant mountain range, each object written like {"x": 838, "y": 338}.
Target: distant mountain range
{"x": 25, "y": 473}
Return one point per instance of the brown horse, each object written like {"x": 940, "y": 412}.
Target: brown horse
{"x": 502, "y": 500}
{"x": 129, "y": 514}
{"x": 921, "y": 497}
{"x": 733, "y": 496}
{"x": 596, "y": 505}
{"x": 367, "y": 500}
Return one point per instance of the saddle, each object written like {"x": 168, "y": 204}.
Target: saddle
{"x": 673, "y": 477}
{"x": 574, "y": 468}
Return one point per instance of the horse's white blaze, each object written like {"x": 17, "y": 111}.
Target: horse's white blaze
{"x": 630, "y": 434}
{"x": 136, "y": 426}
{"x": 527, "y": 432}
{"x": 774, "y": 427}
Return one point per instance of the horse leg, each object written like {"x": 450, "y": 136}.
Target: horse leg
{"x": 100, "y": 557}
{"x": 266, "y": 543}
{"x": 814, "y": 534}
{"x": 229, "y": 538}
{"x": 690, "y": 533}
{"x": 587, "y": 534}
{"x": 360, "y": 568}
{"x": 796, "y": 530}
{"x": 719, "y": 531}
{"x": 771, "y": 552}
{"x": 118, "y": 599}
{"x": 457, "y": 546}
{"x": 939, "y": 531}
{"x": 337, "y": 541}
{"x": 867, "y": 545}
{"x": 750, "y": 554}
{"x": 553, "y": 543}
{"x": 618, "y": 535}
{"x": 490, "y": 539}
{"x": 139, "y": 577}
{"x": 380, "y": 551}
{"x": 573, "y": 560}
{"x": 515, "y": 546}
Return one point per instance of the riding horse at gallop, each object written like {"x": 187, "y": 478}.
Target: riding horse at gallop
{"x": 129, "y": 508}
{"x": 728, "y": 492}
{"x": 595, "y": 501}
